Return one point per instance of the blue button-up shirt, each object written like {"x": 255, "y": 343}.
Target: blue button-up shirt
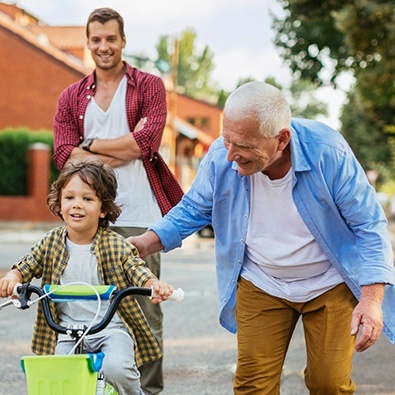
{"x": 332, "y": 195}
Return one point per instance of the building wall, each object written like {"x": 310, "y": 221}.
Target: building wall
{"x": 33, "y": 81}
{"x": 190, "y": 108}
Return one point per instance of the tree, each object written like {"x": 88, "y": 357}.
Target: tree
{"x": 303, "y": 101}
{"x": 300, "y": 96}
{"x": 335, "y": 36}
{"x": 320, "y": 40}
{"x": 194, "y": 67}
{"x": 364, "y": 138}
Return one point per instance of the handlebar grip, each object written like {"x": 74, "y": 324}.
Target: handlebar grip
{"x": 177, "y": 295}
{"x": 17, "y": 290}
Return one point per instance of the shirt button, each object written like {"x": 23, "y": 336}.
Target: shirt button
{"x": 239, "y": 262}
{"x": 81, "y": 117}
{"x": 89, "y": 97}
{"x": 242, "y": 241}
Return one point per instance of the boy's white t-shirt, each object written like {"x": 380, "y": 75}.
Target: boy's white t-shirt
{"x": 282, "y": 256}
{"x": 139, "y": 205}
{"x": 82, "y": 267}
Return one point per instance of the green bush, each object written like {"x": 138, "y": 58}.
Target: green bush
{"x": 14, "y": 145}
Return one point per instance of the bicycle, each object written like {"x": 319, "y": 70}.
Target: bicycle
{"x": 45, "y": 374}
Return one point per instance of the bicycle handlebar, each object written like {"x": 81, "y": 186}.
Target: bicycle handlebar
{"x": 26, "y": 290}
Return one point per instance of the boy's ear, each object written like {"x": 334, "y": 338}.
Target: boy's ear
{"x": 103, "y": 214}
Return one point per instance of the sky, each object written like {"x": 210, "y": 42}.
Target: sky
{"x": 238, "y": 33}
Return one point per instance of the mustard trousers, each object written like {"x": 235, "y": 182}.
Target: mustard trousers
{"x": 265, "y": 327}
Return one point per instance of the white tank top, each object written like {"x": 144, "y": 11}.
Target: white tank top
{"x": 138, "y": 202}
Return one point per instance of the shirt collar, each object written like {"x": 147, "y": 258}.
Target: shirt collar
{"x": 298, "y": 159}
{"x": 130, "y": 71}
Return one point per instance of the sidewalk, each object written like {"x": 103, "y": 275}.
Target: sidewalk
{"x": 26, "y": 232}
{"x": 15, "y": 232}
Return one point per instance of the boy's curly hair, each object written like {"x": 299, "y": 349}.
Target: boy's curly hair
{"x": 99, "y": 176}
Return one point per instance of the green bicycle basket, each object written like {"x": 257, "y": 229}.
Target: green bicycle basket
{"x": 62, "y": 374}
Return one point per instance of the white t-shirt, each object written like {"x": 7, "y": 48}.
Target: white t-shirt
{"x": 82, "y": 266}
{"x": 138, "y": 202}
{"x": 282, "y": 256}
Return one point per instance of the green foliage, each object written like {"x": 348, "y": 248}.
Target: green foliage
{"x": 351, "y": 35}
{"x": 300, "y": 95}
{"x": 373, "y": 148}
{"x": 388, "y": 188}
{"x": 14, "y": 145}
{"x": 370, "y": 146}
{"x": 303, "y": 101}
{"x": 13, "y": 162}
{"x": 307, "y": 36}
{"x": 193, "y": 66}
{"x": 221, "y": 98}
{"x": 189, "y": 67}
{"x": 320, "y": 40}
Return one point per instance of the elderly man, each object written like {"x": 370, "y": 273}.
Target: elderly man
{"x": 299, "y": 233}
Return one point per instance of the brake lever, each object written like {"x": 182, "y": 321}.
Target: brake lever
{"x": 13, "y": 301}
{"x": 23, "y": 301}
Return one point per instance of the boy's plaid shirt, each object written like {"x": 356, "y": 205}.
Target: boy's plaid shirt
{"x": 118, "y": 264}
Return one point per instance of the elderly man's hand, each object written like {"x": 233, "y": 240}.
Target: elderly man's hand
{"x": 148, "y": 243}
{"x": 368, "y": 314}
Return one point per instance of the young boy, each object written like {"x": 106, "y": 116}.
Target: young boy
{"x": 86, "y": 250}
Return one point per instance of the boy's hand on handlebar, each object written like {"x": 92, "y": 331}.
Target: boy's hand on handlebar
{"x": 7, "y": 283}
{"x": 161, "y": 290}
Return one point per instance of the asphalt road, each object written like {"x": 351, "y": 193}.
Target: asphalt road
{"x": 199, "y": 354}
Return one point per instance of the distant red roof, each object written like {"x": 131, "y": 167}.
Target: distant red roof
{"x": 19, "y": 15}
{"x": 63, "y": 37}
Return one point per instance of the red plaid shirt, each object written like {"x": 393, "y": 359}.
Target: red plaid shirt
{"x": 145, "y": 97}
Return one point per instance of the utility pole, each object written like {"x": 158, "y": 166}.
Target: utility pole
{"x": 173, "y": 111}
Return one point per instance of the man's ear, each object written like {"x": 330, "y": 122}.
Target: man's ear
{"x": 283, "y": 138}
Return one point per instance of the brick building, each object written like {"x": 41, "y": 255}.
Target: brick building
{"x": 33, "y": 72}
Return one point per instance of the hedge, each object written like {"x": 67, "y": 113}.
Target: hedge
{"x": 14, "y": 145}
